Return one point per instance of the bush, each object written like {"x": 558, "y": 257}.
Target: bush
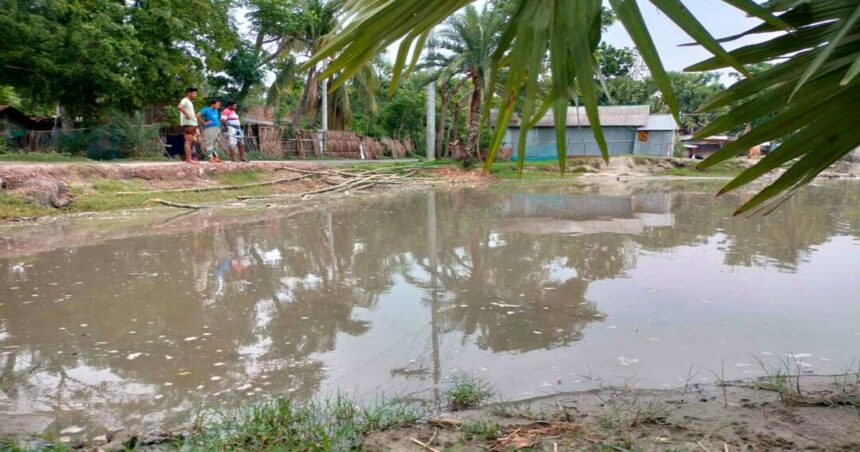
{"x": 73, "y": 143}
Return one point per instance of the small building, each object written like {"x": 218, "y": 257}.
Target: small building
{"x": 629, "y": 130}
{"x": 705, "y": 147}
{"x": 19, "y": 129}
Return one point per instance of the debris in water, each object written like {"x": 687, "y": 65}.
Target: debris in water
{"x": 190, "y": 339}
{"x": 244, "y": 387}
{"x": 798, "y": 355}
{"x": 199, "y": 387}
{"x": 652, "y": 290}
{"x": 219, "y": 364}
{"x": 706, "y": 301}
{"x": 71, "y": 430}
{"x": 168, "y": 357}
{"x": 182, "y": 374}
{"x": 133, "y": 356}
{"x": 537, "y": 332}
{"x": 216, "y": 378}
{"x": 84, "y": 325}
{"x": 159, "y": 396}
{"x": 652, "y": 339}
{"x": 625, "y": 361}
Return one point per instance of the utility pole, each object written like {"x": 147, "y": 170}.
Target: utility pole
{"x": 431, "y": 113}
{"x": 324, "y": 132}
{"x": 431, "y": 121}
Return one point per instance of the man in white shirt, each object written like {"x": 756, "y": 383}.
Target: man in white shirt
{"x": 188, "y": 120}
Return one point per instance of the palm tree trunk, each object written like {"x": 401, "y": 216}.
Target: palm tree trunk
{"x": 309, "y": 97}
{"x": 474, "y": 117}
{"x": 443, "y": 116}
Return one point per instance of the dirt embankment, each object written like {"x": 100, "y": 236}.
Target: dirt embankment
{"x": 732, "y": 418}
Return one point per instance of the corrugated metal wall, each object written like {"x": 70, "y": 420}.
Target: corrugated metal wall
{"x": 660, "y": 144}
{"x": 541, "y": 142}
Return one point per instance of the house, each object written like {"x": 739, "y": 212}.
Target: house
{"x": 18, "y": 128}
{"x": 629, "y": 130}
{"x": 705, "y": 147}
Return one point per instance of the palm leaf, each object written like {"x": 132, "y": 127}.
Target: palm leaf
{"x": 805, "y": 100}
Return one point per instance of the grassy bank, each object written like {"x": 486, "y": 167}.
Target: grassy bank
{"x": 99, "y": 195}
{"x": 619, "y": 419}
{"x": 96, "y": 192}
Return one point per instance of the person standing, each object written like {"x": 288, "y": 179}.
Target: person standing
{"x": 188, "y": 120}
{"x": 233, "y": 131}
{"x": 210, "y": 117}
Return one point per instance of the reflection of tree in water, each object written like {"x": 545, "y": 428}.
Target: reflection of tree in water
{"x": 504, "y": 289}
{"x": 783, "y": 238}
{"x": 272, "y": 295}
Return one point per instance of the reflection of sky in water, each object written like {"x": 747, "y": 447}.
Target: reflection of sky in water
{"x": 532, "y": 291}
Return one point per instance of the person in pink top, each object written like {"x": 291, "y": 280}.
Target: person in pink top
{"x": 233, "y": 131}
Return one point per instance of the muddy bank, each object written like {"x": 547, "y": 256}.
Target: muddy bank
{"x": 741, "y": 416}
{"x": 702, "y": 418}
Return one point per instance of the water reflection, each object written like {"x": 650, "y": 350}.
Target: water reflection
{"x": 387, "y": 295}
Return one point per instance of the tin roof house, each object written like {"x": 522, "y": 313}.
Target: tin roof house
{"x": 629, "y": 130}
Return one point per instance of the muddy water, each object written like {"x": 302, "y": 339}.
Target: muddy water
{"x": 139, "y": 321}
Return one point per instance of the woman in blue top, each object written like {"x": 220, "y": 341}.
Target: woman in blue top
{"x": 210, "y": 121}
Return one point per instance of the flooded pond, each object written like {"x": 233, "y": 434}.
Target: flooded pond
{"x": 137, "y": 320}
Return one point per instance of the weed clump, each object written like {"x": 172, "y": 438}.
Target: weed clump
{"x": 467, "y": 391}
{"x": 336, "y": 424}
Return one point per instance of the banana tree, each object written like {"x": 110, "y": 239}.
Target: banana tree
{"x": 810, "y": 95}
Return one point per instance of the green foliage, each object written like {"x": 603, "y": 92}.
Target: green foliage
{"x": 467, "y": 391}
{"x": 242, "y": 72}
{"x": 338, "y": 424}
{"x": 482, "y": 430}
{"x": 94, "y": 55}
{"x": 614, "y": 61}
{"x": 692, "y": 91}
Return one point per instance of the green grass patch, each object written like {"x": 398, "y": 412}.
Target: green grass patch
{"x": 12, "y": 207}
{"x": 337, "y": 424}
{"x": 466, "y": 391}
{"x": 40, "y": 157}
{"x": 729, "y": 168}
{"x": 539, "y": 170}
{"x": 482, "y": 430}
{"x": 238, "y": 177}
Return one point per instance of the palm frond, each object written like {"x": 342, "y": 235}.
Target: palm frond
{"x": 807, "y": 100}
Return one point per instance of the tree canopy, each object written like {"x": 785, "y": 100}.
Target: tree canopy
{"x": 92, "y": 55}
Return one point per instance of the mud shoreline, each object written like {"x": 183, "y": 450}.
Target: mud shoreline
{"x": 743, "y": 415}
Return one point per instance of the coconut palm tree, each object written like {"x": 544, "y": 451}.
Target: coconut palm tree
{"x": 465, "y": 45}
{"x": 810, "y": 95}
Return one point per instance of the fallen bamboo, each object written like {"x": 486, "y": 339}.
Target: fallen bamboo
{"x": 177, "y": 204}
{"x": 424, "y": 445}
{"x": 345, "y": 185}
{"x": 218, "y": 188}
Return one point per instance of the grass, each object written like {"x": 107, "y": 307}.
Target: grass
{"x": 336, "y": 424}
{"x": 467, "y": 391}
{"x": 729, "y": 168}
{"x": 40, "y": 157}
{"x": 482, "y": 430}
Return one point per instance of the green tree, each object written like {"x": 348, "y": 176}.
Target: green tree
{"x": 811, "y": 94}
{"x": 466, "y": 44}
{"x": 90, "y": 56}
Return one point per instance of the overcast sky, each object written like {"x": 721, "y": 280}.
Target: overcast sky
{"x": 719, "y": 18}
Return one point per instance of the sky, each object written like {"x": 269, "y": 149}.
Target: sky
{"x": 719, "y": 18}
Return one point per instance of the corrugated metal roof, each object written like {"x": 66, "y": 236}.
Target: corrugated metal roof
{"x": 660, "y": 122}
{"x": 628, "y": 115}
